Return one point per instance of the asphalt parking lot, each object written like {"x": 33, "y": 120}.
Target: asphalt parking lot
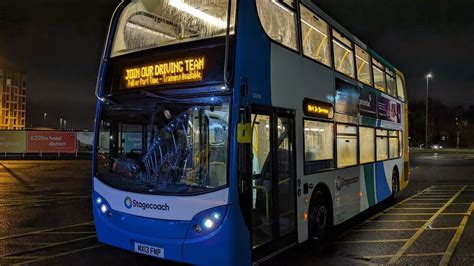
{"x": 46, "y": 219}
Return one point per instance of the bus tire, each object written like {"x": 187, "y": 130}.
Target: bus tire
{"x": 320, "y": 219}
{"x": 395, "y": 185}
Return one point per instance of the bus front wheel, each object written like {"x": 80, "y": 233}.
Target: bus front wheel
{"x": 320, "y": 218}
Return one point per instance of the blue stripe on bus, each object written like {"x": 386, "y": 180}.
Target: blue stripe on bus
{"x": 383, "y": 190}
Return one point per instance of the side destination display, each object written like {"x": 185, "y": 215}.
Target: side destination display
{"x": 318, "y": 109}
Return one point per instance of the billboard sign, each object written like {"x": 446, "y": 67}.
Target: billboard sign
{"x": 388, "y": 109}
{"x": 51, "y": 142}
{"x": 367, "y": 103}
{"x": 12, "y": 141}
{"x": 347, "y": 98}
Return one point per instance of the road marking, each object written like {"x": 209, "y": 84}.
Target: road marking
{"x": 60, "y": 254}
{"x": 424, "y": 254}
{"x": 21, "y": 257}
{"x": 68, "y": 233}
{"x": 46, "y": 230}
{"x": 399, "y": 221}
{"x": 409, "y": 213}
{"x": 406, "y": 255}
{"x": 457, "y": 236}
{"x": 385, "y": 229}
{"x": 441, "y": 228}
{"x": 371, "y": 241}
{"x": 417, "y": 234}
{"x": 48, "y": 246}
{"x": 416, "y": 208}
{"x": 454, "y": 213}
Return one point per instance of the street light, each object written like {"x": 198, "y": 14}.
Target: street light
{"x": 44, "y": 119}
{"x": 428, "y": 76}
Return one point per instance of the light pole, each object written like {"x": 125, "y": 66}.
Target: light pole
{"x": 428, "y": 76}
{"x": 44, "y": 119}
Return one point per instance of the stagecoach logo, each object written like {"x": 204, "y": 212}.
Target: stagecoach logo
{"x": 342, "y": 182}
{"x": 129, "y": 203}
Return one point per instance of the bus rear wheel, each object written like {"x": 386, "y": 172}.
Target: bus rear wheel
{"x": 320, "y": 219}
{"x": 395, "y": 185}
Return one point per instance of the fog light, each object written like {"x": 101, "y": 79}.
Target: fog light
{"x": 103, "y": 208}
{"x": 197, "y": 228}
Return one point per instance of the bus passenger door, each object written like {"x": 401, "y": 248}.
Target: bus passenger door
{"x": 272, "y": 184}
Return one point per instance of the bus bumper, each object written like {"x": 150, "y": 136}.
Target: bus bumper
{"x": 229, "y": 244}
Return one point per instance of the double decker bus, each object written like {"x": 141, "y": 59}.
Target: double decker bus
{"x": 229, "y": 130}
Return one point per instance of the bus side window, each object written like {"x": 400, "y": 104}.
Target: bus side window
{"x": 315, "y": 32}
{"x": 279, "y": 22}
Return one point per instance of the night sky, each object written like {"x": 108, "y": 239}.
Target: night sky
{"x": 59, "y": 42}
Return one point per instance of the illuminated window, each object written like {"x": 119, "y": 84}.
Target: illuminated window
{"x": 391, "y": 84}
{"x": 346, "y": 145}
{"x": 318, "y": 140}
{"x": 148, "y": 24}
{"x": 363, "y": 67}
{"x": 379, "y": 80}
{"x": 367, "y": 144}
{"x": 343, "y": 55}
{"x": 315, "y": 38}
{"x": 278, "y": 21}
{"x": 394, "y": 145}
{"x": 382, "y": 145}
{"x": 400, "y": 87}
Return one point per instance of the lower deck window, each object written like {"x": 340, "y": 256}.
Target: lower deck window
{"x": 382, "y": 145}
{"x": 394, "y": 145}
{"x": 318, "y": 145}
{"x": 346, "y": 145}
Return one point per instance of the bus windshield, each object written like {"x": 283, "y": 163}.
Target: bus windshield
{"x": 178, "y": 148}
{"x": 146, "y": 24}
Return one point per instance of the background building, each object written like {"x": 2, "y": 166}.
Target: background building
{"x": 12, "y": 99}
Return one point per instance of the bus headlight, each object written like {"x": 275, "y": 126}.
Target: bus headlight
{"x": 102, "y": 205}
{"x": 206, "y": 222}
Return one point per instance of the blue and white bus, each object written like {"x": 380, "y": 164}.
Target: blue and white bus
{"x": 229, "y": 130}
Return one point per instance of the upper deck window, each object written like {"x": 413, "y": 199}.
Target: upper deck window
{"x": 278, "y": 19}
{"x": 315, "y": 36}
{"x": 379, "y": 79}
{"x": 363, "y": 67}
{"x": 391, "y": 85}
{"x": 343, "y": 55}
{"x": 400, "y": 87}
{"x": 148, "y": 24}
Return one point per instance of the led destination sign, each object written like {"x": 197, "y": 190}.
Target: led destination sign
{"x": 161, "y": 73}
{"x": 318, "y": 109}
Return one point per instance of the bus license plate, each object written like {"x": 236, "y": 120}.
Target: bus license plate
{"x": 150, "y": 250}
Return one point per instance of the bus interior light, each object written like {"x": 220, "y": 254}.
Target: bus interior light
{"x": 197, "y": 13}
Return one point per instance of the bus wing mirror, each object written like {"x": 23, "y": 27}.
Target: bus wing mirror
{"x": 244, "y": 133}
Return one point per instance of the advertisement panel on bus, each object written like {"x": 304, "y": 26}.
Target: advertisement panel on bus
{"x": 12, "y": 141}
{"x": 51, "y": 142}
